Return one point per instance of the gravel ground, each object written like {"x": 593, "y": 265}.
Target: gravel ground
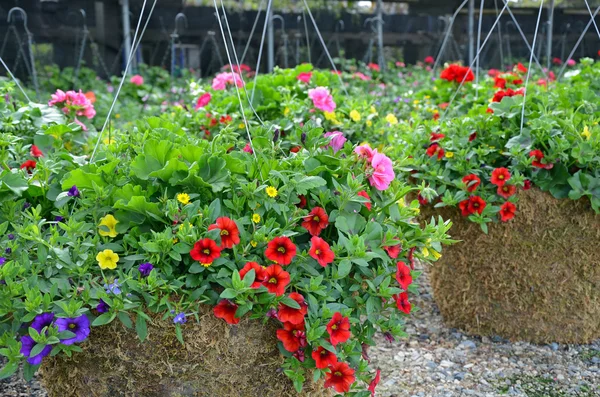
{"x": 436, "y": 361}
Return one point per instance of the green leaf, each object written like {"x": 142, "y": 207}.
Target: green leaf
{"x": 124, "y": 317}
{"x": 103, "y": 319}
{"x": 229, "y": 293}
{"x": 290, "y": 302}
{"x": 14, "y": 182}
{"x": 9, "y": 369}
{"x": 306, "y": 183}
{"x": 141, "y": 327}
{"x": 344, "y": 268}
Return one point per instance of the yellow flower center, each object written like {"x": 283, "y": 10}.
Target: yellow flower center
{"x": 316, "y": 219}
{"x": 272, "y": 280}
{"x": 318, "y": 252}
{"x": 224, "y": 233}
{"x": 206, "y": 251}
{"x": 334, "y": 327}
{"x": 71, "y": 326}
{"x": 281, "y": 249}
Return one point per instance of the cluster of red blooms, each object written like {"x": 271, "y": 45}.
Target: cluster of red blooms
{"x": 434, "y": 149}
{"x": 457, "y": 73}
{"x": 475, "y": 204}
{"x": 508, "y": 92}
{"x": 213, "y": 121}
{"x": 29, "y": 165}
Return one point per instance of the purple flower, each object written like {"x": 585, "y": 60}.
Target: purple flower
{"x": 8, "y": 251}
{"x": 73, "y": 191}
{"x": 2, "y": 260}
{"x": 179, "y": 318}
{"x": 272, "y": 313}
{"x": 338, "y": 140}
{"x": 102, "y": 307}
{"x": 389, "y": 337}
{"x": 59, "y": 219}
{"x": 80, "y": 326}
{"x": 42, "y": 320}
{"x": 11, "y": 236}
{"x": 26, "y": 205}
{"x": 145, "y": 269}
{"x": 27, "y": 344}
{"x": 113, "y": 288}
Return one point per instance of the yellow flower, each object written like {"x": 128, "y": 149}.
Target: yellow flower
{"x": 107, "y": 259}
{"x": 390, "y": 118}
{"x": 175, "y": 240}
{"x": 286, "y": 111}
{"x": 425, "y": 252}
{"x": 427, "y": 97}
{"x": 255, "y": 218}
{"x": 109, "y": 222}
{"x": 449, "y": 155}
{"x": 435, "y": 89}
{"x": 271, "y": 192}
{"x": 355, "y": 116}
{"x": 416, "y": 102}
{"x": 417, "y": 211}
{"x": 253, "y": 243}
{"x": 241, "y": 126}
{"x": 586, "y": 133}
{"x": 206, "y": 264}
{"x": 401, "y": 203}
{"x": 117, "y": 116}
{"x": 183, "y": 198}
{"x": 369, "y": 123}
{"x": 108, "y": 141}
{"x": 436, "y": 255}
{"x": 329, "y": 116}
{"x": 373, "y": 111}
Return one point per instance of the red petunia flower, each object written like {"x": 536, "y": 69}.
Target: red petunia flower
{"x": 341, "y": 377}
{"x": 316, "y": 221}
{"x": 457, "y": 73}
{"x": 276, "y": 279}
{"x": 288, "y": 314}
{"x": 28, "y": 165}
{"x": 259, "y": 273}
{"x": 435, "y": 150}
{"x": 499, "y": 82}
{"x": 226, "y": 310}
{"x": 429, "y": 60}
{"x": 374, "y": 383}
{"x": 537, "y": 161}
{"x": 320, "y": 251}
{"x": 472, "y": 181}
{"x": 422, "y": 200}
{"x": 302, "y": 203}
{"x": 281, "y": 250}
{"x": 339, "y": 329}
{"x": 507, "y": 211}
{"x": 500, "y": 176}
{"x": 402, "y": 302}
{"x": 526, "y": 184}
{"x": 393, "y": 250}
{"x": 436, "y": 137}
{"x": 558, "y": 61}
{"x": 403, "y": 275}
{"x": 472, "y": 137}
{"x": 464, "y": 207}
{"x": 411, "y": 257}
{"x": 436, "y": 116}
{"x": 230, "y": 235}
{"x": 374, "y": 66}
{"x": 292, "y": 336}
{"x": 521, "y": 68}
{"x": 36, "y": 152}
{"x": 323, "y": 358}
{"x": 506, "y": 191}
{"x": 205, "y": 251}
{"x": 476, "y": 204}
{"x": 363, "y": 193}
{"x": 225, "y": 119}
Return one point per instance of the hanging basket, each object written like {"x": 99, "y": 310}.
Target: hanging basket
{"x": 217, "y": 360}
{"x": 535, "y": 278}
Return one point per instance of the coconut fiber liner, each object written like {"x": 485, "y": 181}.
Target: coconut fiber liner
{"x": 534, "y": 278}
{"x": 217, "y": 360}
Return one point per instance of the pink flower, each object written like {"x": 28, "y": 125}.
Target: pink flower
{"x": 137, "y": 80}
{"x": 74, "y": 103}
{"x": 362, "y": 76}
{"x": 365, "y": 151}
{"x": 221, "y": 80}
{"x": 203, "y": 101}
{"x": 248, "y": 148}
{"x": 305, "y": 77}
{"x": 322, "y": 99}
{"x": 571, "y": 62}
{"x": 383, "y": 172}
{"x": 338, "y": 140}
{"x": 429, "y": 60}
{"x": 57, "y": 97}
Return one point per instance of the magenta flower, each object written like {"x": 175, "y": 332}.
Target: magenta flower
{"x": 338, "y": 140}
{"x": 365, "y": 151}
{"x": 58, "y": 97}
{"x": 322, "y": 99}
{"x": 203, "y": 101}
{"x": 137, "y": 80}
{"x": 383, "y": 172}
{"x": 305, "y": 77}
{"x": 248, "y": 148}
{"x": 571, "y": 62}
{"x": 221, "y": 80}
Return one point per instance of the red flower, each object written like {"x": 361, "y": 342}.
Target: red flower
{"x": 292, "y": 336}
{"x": 339, "y": 329}
{"x": 323, "y": 358}
{"x": 429, "y": 60}
{"x": 436, "y": 116}
{"x": 506, "y": 191}
{"x": 403, "y": 275}
{"x": 316, "y": 221}
{"x": 411, "y": 257}
{"x": 230, "y": 235}
{"x": 472, "y": 137}
{"x": 499, "y": 82}
{"x": 364, "y": 194}
{"x": 320, "y": 251}
{"x": 464, "y": 207}
{"x": 393, "y": 250}
{"x": 374, "y": 66}
{"x": 526, "y": 184}
{"x": 435, "y": 150}
{"x": 28, "y": 165}
{"x": 521, "y": 68}
{"x": 507, "y": 211}
{"x": 276, "y": 279}
{"x": 457, "y": 73}
{"x": 472, "y": 181}
{"x": 259, "y": 273}
{"x": 489, "y": 110}
{"x": 36, "y": 152}
{"x": 374, "y": 383}
{"x": 517, "y": 82}
{"x": 500, "y": 176}
{"x": 402, "y": 302}
{"x": 509, "y": 92}
{"x": 288, "y": 314}
{"x": 436, "y": 137}
{"x": 225, "y": 119}
{"x": 558, "y": 61}
{"x": 281, "y": 250}
{"x": 295, "y": 149}
{"x": 302, "y": 203}
{"x": 341, "y": 377}
{"x": 205, "y": 251}
{"x": 537, "y": 161}
{"x": 476, "y": 204}
{"x": 226, "y": 310}
{"x": 422, "y": 200}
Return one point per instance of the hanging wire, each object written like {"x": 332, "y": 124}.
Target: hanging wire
{"x": 307, "y": 37}
{"x": 499, "y": 38}
{"x": 593, "y": 18}
{"x": 562, "y": 69}
{"x": 448, "y": 33}
{"x": 260, "y": 49}
{"x": 478, "y": 44}
{"x": 537, "y": 26}
{"x": 260, "y": 6}
{"x": 14, "y": 79}
{"x": 234, "y": 80}
{"x": 130, "y": 57}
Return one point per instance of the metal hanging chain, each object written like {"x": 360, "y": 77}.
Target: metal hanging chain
{"x": 537, "y": 27}
{"x": 325, "y": 47}
{"x": 562, "y": 69}
{"x": 234, "y": 80}
{"x": 130, "y": 57}
{"x": 260, "y": 6}
{"x": 448, "y": 33}
{"x": 12, "y": 76}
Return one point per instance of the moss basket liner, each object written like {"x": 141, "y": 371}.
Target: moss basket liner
{"x": 535, "y": 278}
{"x": 217, "y": 360}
